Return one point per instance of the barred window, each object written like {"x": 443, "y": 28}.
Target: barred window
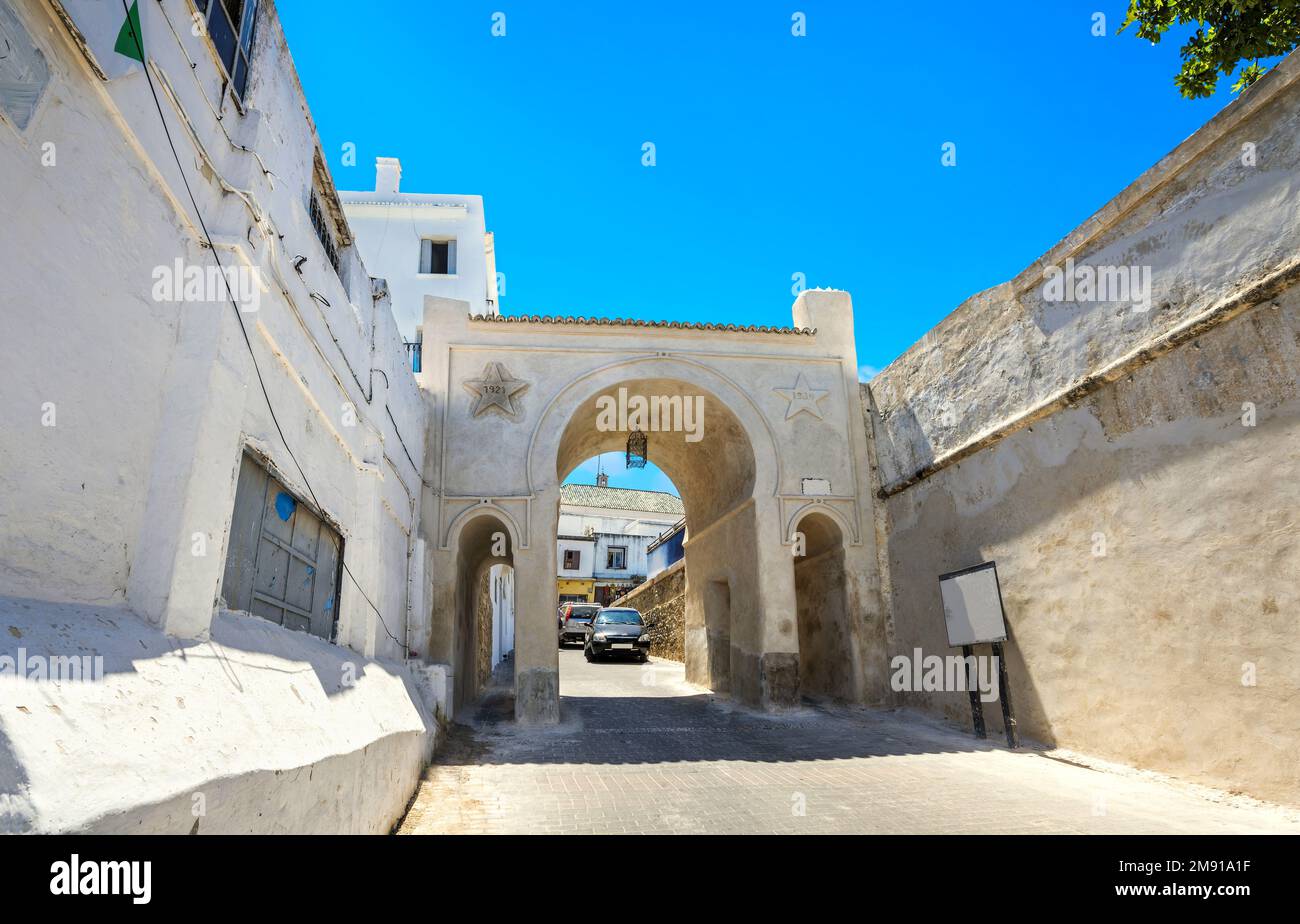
{"x": 324, "y": 233}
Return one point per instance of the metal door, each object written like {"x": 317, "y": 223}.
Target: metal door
{"x": 282, "y": 561}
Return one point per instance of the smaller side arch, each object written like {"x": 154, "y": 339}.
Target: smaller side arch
{"x": 828, "y": 634}
{"x": 846, "y": 528}
{"x": 470, "y": 611}
{"x": 469, "y": 514}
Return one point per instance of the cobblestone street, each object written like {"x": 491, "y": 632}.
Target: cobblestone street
{"x": 640, "y": 751}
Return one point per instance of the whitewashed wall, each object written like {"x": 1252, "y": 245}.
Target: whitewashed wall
{"x": 632, "y": 530}
{"x": 125, "y": 502}
{"x": 586, "y": 550}
{"x": 390, "y": 224}
{"x": 501, "y": 580}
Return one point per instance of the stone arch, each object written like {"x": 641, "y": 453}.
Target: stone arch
{"x": 474, "y": 539}
{"x": 486, "y": 508}
{"x": 846, "y": 527}
{"x": 555, "y": 420}
{"x": 828, "y": 647}
{"x": 723, "y": 478}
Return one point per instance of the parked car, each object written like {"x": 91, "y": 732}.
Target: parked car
{"x": 618, "y": 630}
{"x": 574, "y": 619}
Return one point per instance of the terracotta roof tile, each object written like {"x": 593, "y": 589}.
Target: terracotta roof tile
{"x": 633, "y": 322}
{"x": 590, "y": 495}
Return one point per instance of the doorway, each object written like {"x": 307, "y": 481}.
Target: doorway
{"x": 825, "y": 662}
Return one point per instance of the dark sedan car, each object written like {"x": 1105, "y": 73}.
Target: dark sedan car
{"x": 617, "y": 630}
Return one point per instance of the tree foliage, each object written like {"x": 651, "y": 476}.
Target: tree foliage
{"x": 1228, "y": 33}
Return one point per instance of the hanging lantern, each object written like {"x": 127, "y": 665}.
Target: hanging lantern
{"x": 637, "y": 449}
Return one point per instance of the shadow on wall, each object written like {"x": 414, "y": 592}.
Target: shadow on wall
{"x": 482, "y": 544}
{"x": 904, "y": 439}
{"x": 123, "y": 640}
{"x": 918, "y": 602}
{"x": 1135, "y": 652}
{"x": 277, "y": 730}
{"x": 828, "y": 642}
{"x": 15, "y": 807}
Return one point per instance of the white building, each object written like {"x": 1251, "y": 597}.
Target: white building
{"x": 502, "y": 588}
{"x": 422, "y": 244}
{"x": 431, "y": 244}
{"x": 603, "y": 536}
{"x": 575, "y": 557}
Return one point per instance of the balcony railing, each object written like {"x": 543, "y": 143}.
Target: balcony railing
{"x": 413, "y": 353}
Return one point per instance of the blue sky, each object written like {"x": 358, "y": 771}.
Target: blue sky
{"x": 775, "y": 154}
{"x": 614, "y": 464}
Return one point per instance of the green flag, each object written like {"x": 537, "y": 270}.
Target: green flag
{"x": 111, "y": 32}
{"x": 129, "y": 42}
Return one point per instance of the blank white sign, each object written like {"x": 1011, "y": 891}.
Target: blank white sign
{"x": 817, "y": 486}
{"x": 972, "y": 606}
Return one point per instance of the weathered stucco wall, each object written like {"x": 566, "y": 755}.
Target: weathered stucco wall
{"x": 126, "y": 413}
{"x": 826, "y": 665}
{"x": 152, "y": 402}
{"x": 662, "y": 604}
{"x": 1136, "y": 476}
{"x": 1216, "y": 233}
{"x": 256, "y": 729}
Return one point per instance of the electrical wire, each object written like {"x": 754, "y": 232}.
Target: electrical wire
{"x": 242, "y": 327}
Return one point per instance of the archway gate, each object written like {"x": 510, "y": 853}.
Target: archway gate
{"x": 758, "y": 427}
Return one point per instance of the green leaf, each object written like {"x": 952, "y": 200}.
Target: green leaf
{"x": 1228, "y": 33}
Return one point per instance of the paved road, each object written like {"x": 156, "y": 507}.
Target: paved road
{"x": 640, "y": 751}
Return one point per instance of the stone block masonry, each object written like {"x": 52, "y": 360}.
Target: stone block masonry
{"x": 661, "y": 602}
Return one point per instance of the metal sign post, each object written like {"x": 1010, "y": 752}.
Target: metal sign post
{"x": 1004, "y": 694}
{"x": 972, "y": 688}
{"x": 973, "y": 614}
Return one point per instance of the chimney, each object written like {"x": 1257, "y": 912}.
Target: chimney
{"x": 388, "y": 175}
{"x": 602, "y": 480}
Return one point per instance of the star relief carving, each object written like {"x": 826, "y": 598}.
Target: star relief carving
{"x": 802, "y": 397}
{"x": 495, "y": 390}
